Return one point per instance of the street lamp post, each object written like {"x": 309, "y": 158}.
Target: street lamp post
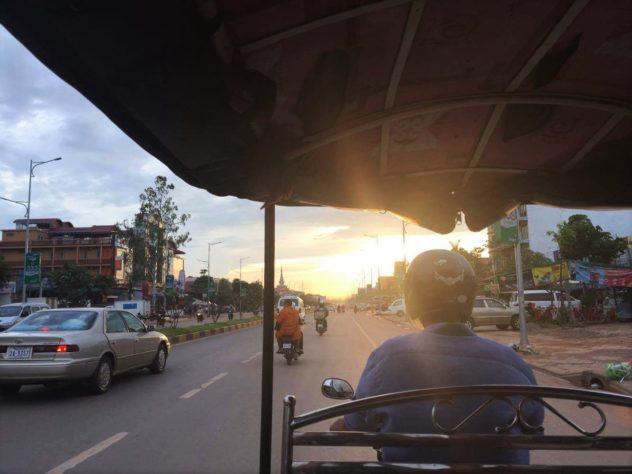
{"x": 377, "y": 245}
{"x": 240, "y": 262}
{"x": 32, "y": 166}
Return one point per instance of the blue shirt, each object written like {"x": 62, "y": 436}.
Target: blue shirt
{"x": 443, "y": 355}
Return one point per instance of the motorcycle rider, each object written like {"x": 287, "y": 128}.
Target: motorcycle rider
{"x": 439, "y": 290}
{"x": 288, "y": 324}
{"x": 321, "y": 313}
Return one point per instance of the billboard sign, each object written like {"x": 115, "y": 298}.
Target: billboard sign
{"x": 506, "y": 229}
{"x": 169, "y": 282}
{"x": 33, "y": 269}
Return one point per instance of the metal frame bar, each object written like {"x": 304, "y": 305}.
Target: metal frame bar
{"x": 312, "y": 25}
{"x": 531, "y": 442}
{"x": 267, "y": 371}
{"x": 552, "y": 38}
{"x": 599, "y": 135}
{"x": 451, "y": 392}
{"x": 376, "y": 119}
{"x": 412, "y": 24}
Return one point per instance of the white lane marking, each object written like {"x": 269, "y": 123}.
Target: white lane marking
{"x": 364, "y": 332}
{"x": 214, "y": 379}
{"x": 190, "y": 393}
{"x": 254, "y": 356}
{"x": 79, "y": 458}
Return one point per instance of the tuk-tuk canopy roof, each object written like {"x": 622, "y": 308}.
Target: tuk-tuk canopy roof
{"x": 423, "y": 108}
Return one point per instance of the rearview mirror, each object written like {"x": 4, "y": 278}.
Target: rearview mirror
{"x": 338, "y": 389}
{"x": 151, "y": 327}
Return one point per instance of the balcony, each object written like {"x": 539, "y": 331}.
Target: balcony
{"x": 60, "y": 242}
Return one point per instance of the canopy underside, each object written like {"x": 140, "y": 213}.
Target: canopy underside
{"x": 423, "y": 108}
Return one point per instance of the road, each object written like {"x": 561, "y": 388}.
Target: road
{"x": 202, "y": 414}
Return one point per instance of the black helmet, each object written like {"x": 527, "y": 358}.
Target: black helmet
{"x": 440, "y": 286}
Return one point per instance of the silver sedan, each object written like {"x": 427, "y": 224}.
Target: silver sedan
{"x": 490, "y": 311}
{"x": 78, "y": 344}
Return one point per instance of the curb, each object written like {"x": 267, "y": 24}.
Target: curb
{"x": 212, "y": 332}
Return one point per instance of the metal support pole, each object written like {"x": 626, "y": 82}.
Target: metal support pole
{"x": 265, "y": 444}
{"x": 240, "y": 288}
{"x": 28, "y": 225}
{"x": 287, "y": 446}
{"x": 208, "y": 281}
{"x": 524, "y": 339}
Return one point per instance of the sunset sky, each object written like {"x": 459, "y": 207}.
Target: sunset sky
{"x": 103, "y": 172}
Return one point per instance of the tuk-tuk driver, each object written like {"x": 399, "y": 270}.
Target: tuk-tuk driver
{"x": 440, "y": 288}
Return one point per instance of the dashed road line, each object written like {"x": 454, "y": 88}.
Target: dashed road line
{"x": 88, "y": 453}
{"x": 190, "y": 393}
{"x": 254, "y": 356}
{"x": 214, "y": 379}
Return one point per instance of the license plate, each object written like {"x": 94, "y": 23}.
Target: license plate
{"x": 287, "y": 345}
{"x": 19, "y": 352}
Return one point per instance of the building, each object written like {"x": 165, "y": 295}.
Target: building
{"x": 281, "y": 289}
{"x": 60, "y": 242}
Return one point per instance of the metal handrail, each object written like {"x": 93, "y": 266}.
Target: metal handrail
{"x": 580, "y": 395}
{"x": 487, "y": 441}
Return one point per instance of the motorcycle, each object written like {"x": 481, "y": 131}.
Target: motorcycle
{"x": 200, "y": 316}
{"x": 289, "y": 350}
{"x": 320, "y": 327}
{"x": 230, "y": 314}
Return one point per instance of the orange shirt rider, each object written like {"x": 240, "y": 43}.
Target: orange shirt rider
{"x": 289, "y": 323}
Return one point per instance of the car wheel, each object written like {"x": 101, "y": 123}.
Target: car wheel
{"x": 160, "y": 361}
{"x": 470, "y": 323}
{"x": 9, "y": 390}
{"x": 502, "y": 327}
{"x": 101, "y": 380}
{"x": 515, "y": 322}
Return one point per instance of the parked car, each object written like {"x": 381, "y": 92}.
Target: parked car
{"x": 397, "y": 307}
{"x": 492, "y": 312}
{"x": 544, "y": 298}
{"x": 296, "y": 303}
{"x": 11, "y": 313}
{"x": 78, "y": 344}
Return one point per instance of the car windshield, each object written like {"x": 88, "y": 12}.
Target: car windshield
{"x": 46, "y": 321}
{"x": 7, "y": 311}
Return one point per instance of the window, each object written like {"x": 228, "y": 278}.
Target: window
{"x": 45, "y": 321}
{"x": 133, "y": 323}
{"x": 114, "y": 323}
{"x": 494, "y": 304}
{"x": 478, "y": 303}
{"x": 542, "y": 296}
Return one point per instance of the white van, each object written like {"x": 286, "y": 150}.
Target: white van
{"x": 397, "y": 307}
{"x": 11, "y": 313}
{"x": 296, "y": 302}
{"x": 544, "y": 298}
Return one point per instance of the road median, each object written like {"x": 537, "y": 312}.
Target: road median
{"x": 183, "y": 334}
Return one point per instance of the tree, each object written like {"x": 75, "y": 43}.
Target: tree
{"x": 579, "y": 239}
{"x": 156, "y": 226}
{"x": 5, "y": 272}
{"x": 530, "y": 259}
{"x": 474, "y": 257}
{"x": 76, "y": 286}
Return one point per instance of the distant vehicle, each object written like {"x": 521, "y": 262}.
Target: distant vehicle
{"x": 78, "y": 344}
{"x": 490, "y": 311}
{"x": 296, "y": 303}
{"x": 141, "y": 308}
{"x": 397, "y": 307}
{"x": 11, "y": 313}
{"x": 544, "y": 298}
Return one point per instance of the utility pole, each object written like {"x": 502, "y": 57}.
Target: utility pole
{"x": 524, "y": 339}
{"x": 404, "y": 224}
{"x": 32, "y": 166}
{"x": 240, "y": 262}
{"x": 208, "y": 277}
{"x": 377, "y": 245}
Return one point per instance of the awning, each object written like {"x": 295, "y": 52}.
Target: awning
{"x": 422, "y": 108}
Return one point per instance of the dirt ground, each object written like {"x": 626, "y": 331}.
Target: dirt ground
{"x": 568, "y": 351}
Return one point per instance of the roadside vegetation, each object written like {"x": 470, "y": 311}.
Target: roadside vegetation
{"x": 203, "y": 327}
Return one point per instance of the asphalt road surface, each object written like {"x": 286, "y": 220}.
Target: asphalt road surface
{"x": 202, "y": 414}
